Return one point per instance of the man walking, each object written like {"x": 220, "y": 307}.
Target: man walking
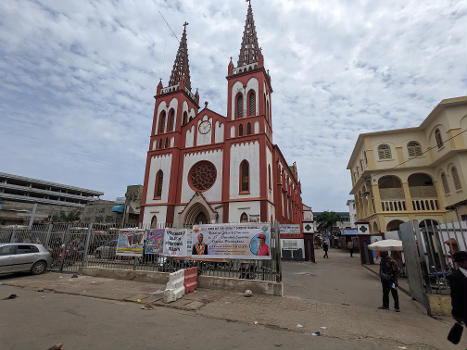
{"x": 458, "y": 283}
{"x": 388, "y": 272}
{"x": 350, "y": 247}
{"x": 325, "y": 248}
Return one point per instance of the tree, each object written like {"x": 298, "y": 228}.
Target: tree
{"x": 326, "y": 220}
{"x": 66, "y": 217}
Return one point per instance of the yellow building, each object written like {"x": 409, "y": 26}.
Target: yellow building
{"x": 415, "y": 173}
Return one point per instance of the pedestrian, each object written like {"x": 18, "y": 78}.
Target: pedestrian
{"x": 388, "y": 273}
{"x": 325, "y": 248}
{"x": 457, "y": 281}
{"x": 350, "y": 247}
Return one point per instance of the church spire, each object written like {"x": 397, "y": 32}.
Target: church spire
{"x": 250, "y": 50}
{"x": 181, "y": 69}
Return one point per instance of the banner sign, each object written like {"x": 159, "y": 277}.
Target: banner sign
{"x": 130, "y": 242}
{"x": 349, "y": 231}
{"x": 289, "y": 229}
{"x": 154, "y": 241}
{"x": 233, "y": 241}
{"x": 175, "y": 242}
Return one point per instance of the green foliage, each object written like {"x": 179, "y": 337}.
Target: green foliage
{"x": 66, "y": 217}
{"x": 326, "y": 220}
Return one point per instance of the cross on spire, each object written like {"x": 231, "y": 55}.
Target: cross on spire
{"x": 181, "y": 68}
{"x": 250, "y": 49}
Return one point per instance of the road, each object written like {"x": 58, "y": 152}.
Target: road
{"x": 339, "y": 279}
{"x": 38, "y": 320}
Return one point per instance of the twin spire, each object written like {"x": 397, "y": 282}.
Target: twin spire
{"x": 181, "y": 69}
{"x": 250, "y": 52}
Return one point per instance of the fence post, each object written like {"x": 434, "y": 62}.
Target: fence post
{"x": 49, "y": 233}
{"x": 64, "y": 236}
{"x": 278, "y": 252}
{"x": 12, "y": 236}
{"x": 86, "y": 247}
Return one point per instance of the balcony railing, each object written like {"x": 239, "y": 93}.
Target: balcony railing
{"x": 425, "y": 204}
{"x": 393, "y": 205}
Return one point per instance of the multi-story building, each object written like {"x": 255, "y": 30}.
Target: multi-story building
{"x": 416, "y": 173}
{"x": 352, "y": 212}
{"x": 21, "y": 196}
{"x": 204, "y": 167}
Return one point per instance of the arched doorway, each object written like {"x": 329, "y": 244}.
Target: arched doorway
{"x": 197, "y": 214}
{"x": 393, "y": 225}
{"x": 154, "y": 222}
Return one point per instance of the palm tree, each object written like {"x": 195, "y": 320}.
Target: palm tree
{"x": 326, "y": 220}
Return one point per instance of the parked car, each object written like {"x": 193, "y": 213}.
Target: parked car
{"x": 24, "y": 257}
{"x": 106, "y": 250}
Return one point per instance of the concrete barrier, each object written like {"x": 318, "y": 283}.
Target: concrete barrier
{"x": 440, "y": 305}
{"x": 240, "y": 285}
{"x": 191, "y": 279}
{"x": 175, "y": 288}
{"x": 122, "y": 274}
{"x": 208, "y": 282}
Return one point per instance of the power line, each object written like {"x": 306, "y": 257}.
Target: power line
{"x": 427, "y": 150}
{"x": 168, "y": 26}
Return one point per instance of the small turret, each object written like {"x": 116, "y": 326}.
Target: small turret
{"x": 159, "y": 88}
{"x": 231, "y": 67}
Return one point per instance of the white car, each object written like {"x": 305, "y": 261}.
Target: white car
{"x": 24, "y": 257}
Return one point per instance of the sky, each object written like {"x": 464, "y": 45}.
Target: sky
{"x": 77, "y": 79}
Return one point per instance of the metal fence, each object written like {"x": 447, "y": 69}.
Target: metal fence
{"x": 76, "y": 246}
{"x": 428, "y": 251}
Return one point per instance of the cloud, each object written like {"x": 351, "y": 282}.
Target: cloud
{"x": 78, "y": 78}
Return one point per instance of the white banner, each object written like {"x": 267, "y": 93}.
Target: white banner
{"x": 175, "y": 242}
{"x": 291, "y": 229}
{"x": 233, "y": 241}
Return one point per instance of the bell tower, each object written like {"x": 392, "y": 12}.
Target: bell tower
{"x": 175, "y": 106}
{"x": 249, "y": 84}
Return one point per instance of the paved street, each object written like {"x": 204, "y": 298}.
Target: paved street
{"x": 340, "y": 280}
{"x": 98, "y": 313}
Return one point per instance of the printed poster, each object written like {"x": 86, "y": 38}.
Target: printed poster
{"x": 376, "y": 254}
{"x": 232, "y": 241}
{"x": 175, "y": 242}
{"x": 154, "y": 241}
{"x": 130, "y": 242}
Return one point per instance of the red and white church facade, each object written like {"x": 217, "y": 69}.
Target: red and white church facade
{"x": 204, "y": 167}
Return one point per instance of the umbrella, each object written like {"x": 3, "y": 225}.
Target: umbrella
{"x": 386, "y": 244}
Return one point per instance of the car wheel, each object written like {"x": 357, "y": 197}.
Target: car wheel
{"x": 39, "y": 267}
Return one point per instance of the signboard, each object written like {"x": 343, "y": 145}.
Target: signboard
{"x": 349, "y": 231}
{"x": 130, "y": 242}
{"x": 233, "y": 241}
{"x": 289, "y": 229}
{"x": 307, "y": 227}
{"x": 363, "y": 229}
{"x": 175, "y": 242}
{"x": 154, "y": 241}
{"x": 254, "y": 218}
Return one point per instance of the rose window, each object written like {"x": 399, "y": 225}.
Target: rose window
{"x": 202, "y": 175}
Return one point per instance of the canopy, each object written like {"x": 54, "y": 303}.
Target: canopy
{"x": 118, "y": 208}
{"x": 386, "y": 244}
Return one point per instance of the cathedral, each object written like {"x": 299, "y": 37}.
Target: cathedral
{"x": 206, "y": 167}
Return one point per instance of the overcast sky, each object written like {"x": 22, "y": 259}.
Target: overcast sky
{"x": 77, "y": 79}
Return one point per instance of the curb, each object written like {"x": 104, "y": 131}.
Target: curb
{"x": 400, "y": 287}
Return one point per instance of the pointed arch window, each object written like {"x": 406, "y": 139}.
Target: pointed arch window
{"x": 267, "y": 110}
{"x": 158, "y": 185}
{"x": 160, "y": 144}
{"x": 251, "y": 103}
{"x": 171, "y": 120}
{"x": 265, "y": 105}
{"x": 240, "y": 130}
{"x": 239, "y": 106}
{"x": 455, "y": 178}
{"x": 161, "y": 122}
{"x": 384, "y": 152}
{"x": 248, "y": 128}
{"x": 154, "y": 222}
{"x": 444, "y": 180}
{"x": 439, "y": 140}
{"x": 244, "y": 177}
{"x": 185, "y": 118}
{"x": 269, "y": 177}
{"x": 414, "y": 149}
{"x": 166, "y": 143}
{"x": 244, "y": 217}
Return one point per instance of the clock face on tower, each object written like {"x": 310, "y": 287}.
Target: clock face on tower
{"x": 204, "y": 127}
